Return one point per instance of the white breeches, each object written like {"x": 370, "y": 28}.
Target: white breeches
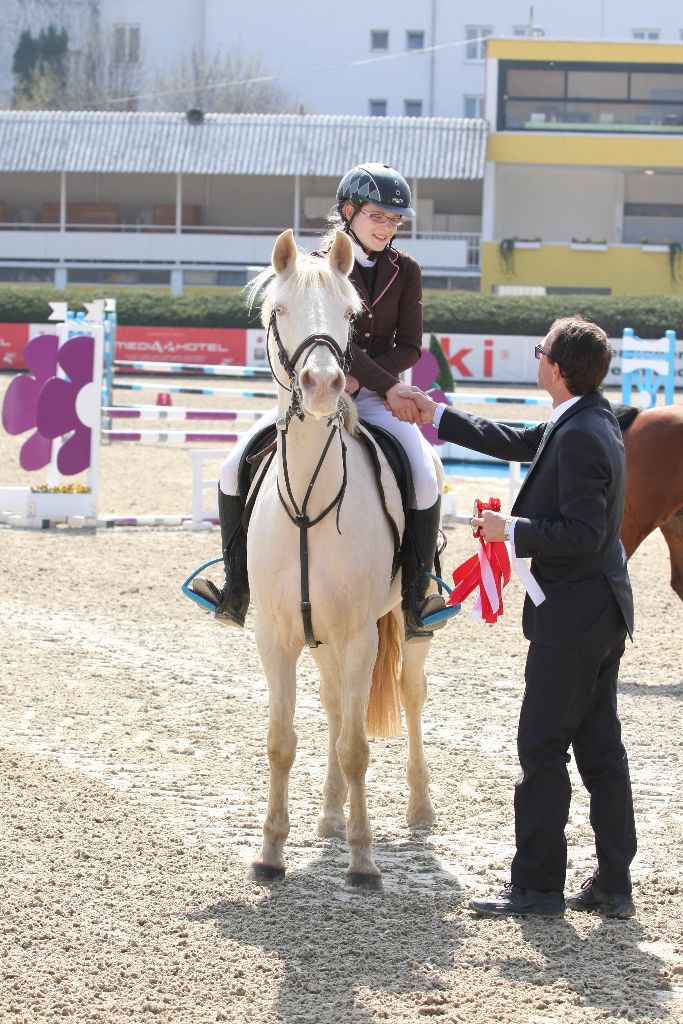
{"x": 371, "y": 409}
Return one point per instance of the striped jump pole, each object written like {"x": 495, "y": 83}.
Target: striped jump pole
{"x": 158, "y": 520}
{"x": 234, "y": 372}
{"x": 192, "y": 389}
{"x": 176, "y": 412}
{"x": 468, "y": 398}
{"x": 172, "y": 435}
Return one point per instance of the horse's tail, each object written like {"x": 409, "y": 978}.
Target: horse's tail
{"x": 384, "y": 709}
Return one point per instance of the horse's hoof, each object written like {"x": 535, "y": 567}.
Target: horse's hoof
{"x": 360, "y": 881}
{"x": 331, "y": 827}
{"x": 421, "y": 819}
{"x": 261, "y": 872}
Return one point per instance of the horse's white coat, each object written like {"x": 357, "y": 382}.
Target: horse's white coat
{"x": 350, "y": 586}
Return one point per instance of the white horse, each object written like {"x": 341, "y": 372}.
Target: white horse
{"x": 318, "y": 524}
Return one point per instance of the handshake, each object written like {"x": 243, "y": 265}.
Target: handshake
{"x": 409, "y": 404}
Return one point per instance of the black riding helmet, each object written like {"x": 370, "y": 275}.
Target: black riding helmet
{"x": 378, "y": 184}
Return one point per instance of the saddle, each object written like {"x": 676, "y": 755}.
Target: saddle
{"x": 625, "y": 415}
{"x": 259, "y": 453}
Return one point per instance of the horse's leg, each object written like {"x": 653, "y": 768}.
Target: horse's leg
{"x": 413, "y": 693}
{"x": 673, "y": 535}
{"x": 331, "y": 821}
{"x": 279, "y": 664}
{"x": 353, "y": 751}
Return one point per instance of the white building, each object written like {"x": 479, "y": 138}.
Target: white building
{"x": 393, "y": 57}
{"x": 164, "y": 199}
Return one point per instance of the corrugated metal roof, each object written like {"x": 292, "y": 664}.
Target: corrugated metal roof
{"x": 269, "y": 144}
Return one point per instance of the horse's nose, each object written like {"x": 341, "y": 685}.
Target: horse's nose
{"x": 331, "y": 380}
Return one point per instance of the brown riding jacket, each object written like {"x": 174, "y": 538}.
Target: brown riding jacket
{"x": 386, "y": 336}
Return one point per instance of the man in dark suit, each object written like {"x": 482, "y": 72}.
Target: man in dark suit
{"x": 566, "y": 517}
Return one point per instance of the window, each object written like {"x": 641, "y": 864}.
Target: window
{"x": 473, "y": 106}
{"x": 412, "y": 108}
{"x": 573, "y": 96}
{"x": 379, "y": 39}
{"x": 378, "y": 108}
{"x": 646, "y": 34}
{"x": 127, "y": 44}
{"x": 476, "y": 41}
{"x": 415, "y": 40}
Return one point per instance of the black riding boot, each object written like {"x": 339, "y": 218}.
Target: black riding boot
{"x": 232, "y": 601}
{"x": 419, "y": 548}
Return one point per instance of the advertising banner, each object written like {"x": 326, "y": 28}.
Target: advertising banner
{"x": 473, "y": 358}
{"x": 481, "y": 358}
{"x": 225, "y": 346}
{"x": 217, "y": 346}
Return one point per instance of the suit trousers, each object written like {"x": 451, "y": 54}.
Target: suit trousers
{"x": 571, "y": 700}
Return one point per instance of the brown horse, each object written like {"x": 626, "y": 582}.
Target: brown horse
{"x": 653, "y": 439}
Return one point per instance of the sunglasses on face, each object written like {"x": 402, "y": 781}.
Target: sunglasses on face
{"x": 540, "y": 351}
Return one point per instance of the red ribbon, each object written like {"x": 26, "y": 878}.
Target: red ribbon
{"x": 489, "y": 570}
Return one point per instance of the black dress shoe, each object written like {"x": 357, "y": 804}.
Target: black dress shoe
{"x": 611, "y": 904}
{"x": 514, "y": 900}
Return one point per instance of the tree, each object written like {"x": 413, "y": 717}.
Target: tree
{"x": 221, "y": 82}
{"x": 65, "y": 59}
{"x": 40, "y": 69}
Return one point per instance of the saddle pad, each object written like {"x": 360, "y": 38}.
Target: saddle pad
{"x": 625, "y": 415}
{"x": 392, "y": 471}
{"x": 399, "y": 464}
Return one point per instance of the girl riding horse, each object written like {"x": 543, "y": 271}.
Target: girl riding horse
{"x": 373, "y": 201}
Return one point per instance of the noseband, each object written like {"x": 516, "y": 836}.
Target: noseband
{"x": 298, "y": 516}
{"x": 307, "y": 346}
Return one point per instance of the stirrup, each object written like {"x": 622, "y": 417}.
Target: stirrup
{"x": 194, "y": 595}
{"x": 445, "y": 613}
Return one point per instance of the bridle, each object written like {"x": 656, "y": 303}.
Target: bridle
{"x": 299, "y": 515}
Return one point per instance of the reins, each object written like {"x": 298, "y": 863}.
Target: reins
{"x": 299, "y": 516}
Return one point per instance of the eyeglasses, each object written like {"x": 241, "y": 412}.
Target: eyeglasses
{"x": 381, "y": 218}
{"x": 540, "y": 351}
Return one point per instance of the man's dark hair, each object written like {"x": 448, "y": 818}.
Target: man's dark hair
{"x": 582, "y": 351}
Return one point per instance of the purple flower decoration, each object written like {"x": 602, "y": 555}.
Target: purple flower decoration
{"x": 425, "y": 372}
{"x": 21, "y": 400}
{"x": 71, "y": 406}
{"x": 52, "y": 405}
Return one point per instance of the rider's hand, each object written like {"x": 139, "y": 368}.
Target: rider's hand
{"x": 401, "y": 406}
{"x": 425, "y": 407}
{"x": 352, "y": 385}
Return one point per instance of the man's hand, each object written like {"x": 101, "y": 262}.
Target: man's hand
{"x": 352, "y": 385}
{"x": 423, "y": 403}
{"x": 402, "y": 405}
{"x": 492, "y": 525}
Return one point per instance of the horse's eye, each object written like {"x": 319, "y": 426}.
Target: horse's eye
{"x": 348, "y": 314}
{"x": 280, "y": 310}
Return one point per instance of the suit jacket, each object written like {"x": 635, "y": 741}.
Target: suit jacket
{"x": 386, "y": 336}
{"x": 569, "y": 511}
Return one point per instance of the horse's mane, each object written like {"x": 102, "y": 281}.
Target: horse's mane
{"x": 349, "y": 411}
{"x": 311, "y": 271}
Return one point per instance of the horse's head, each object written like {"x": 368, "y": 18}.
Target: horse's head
{"x": 307, "y": 307}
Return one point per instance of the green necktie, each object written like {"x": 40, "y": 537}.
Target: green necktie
{"x": 546, "y": 434}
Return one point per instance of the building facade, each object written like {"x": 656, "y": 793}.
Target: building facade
{"x": 171, "y": 200}
{"x": 394, "y": 58}
{"x": 584, "y": 176}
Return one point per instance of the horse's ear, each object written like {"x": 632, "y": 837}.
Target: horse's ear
{"x": 341, "y": 254}
{"x": 284, "y": 253}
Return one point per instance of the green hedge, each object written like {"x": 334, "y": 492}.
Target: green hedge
{"x": 473, "y": 313}
{"x": 133, "y": 306}
{"x": 445, "y": 312}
